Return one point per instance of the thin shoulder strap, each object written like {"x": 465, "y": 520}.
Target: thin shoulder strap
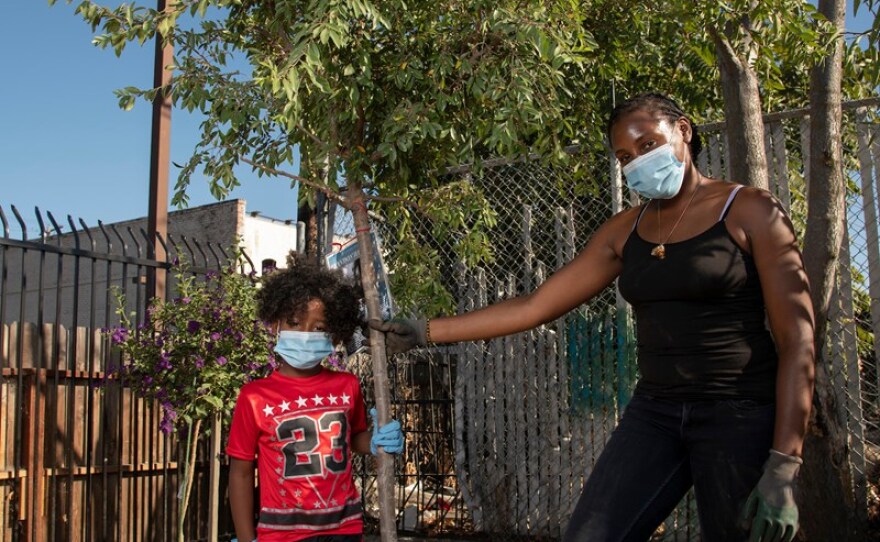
{"x": 639, "y": 219}
{"x": 729, "y": 202}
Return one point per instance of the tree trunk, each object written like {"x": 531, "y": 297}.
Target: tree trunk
{"x": 744, "y": 125}
{"x": 188, "y": 473}
{"x": 385, "y": 476}
{"x": 826, "y": 494}
{"x": 308, "y": 216}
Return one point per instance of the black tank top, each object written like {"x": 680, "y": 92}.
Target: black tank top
{"x": 700, "y": 317}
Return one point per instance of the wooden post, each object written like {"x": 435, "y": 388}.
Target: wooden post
{"x": 160, "y": 160}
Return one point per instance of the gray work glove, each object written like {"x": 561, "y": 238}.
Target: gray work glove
{"x": 770, "y": 508}
{"x": 401, "y": 334}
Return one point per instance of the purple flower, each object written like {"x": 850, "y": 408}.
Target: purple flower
{"x": 200, "y": 362}
{"x": 215, "y": 336}
{"x": 167, "y": 423}
{"x": 119, "y": 336}
{"x": 221, "y": 360}
{"x": 335, "y": 361}
{"x": 164, "y": 361}
{"x": 193, "y": 326}
{"x": 148, "y": 381}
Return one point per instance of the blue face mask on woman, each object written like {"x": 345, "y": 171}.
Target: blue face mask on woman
{"x": 656, "y": 175}
{"x": 303, "y": 349}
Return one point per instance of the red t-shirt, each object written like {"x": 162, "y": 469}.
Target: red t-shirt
{"x": 299, "y": 430}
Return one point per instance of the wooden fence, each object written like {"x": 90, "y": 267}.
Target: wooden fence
{"x": 92, "y": 463}
{"x": 81, "y": 457}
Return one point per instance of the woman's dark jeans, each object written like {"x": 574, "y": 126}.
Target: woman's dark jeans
{"x": 658, "y": 451}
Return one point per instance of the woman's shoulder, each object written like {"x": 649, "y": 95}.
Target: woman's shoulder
{"x": 756, "y": 213}
{"x": 625, "y": 219}
{"x": 751, "y": 200}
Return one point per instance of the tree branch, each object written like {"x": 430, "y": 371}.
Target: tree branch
{"x": 329, "y": 192}
{"x": 312, "y": 136}
{"x": 394, "y": 199}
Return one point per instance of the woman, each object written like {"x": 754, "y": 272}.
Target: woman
{"x": 721, "y": 404}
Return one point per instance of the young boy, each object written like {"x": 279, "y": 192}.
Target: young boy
{"x": 301, "y": 424}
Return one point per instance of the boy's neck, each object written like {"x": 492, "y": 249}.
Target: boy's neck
{"x": 291, "y": 372}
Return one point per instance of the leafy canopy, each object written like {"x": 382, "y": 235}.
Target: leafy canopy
{"x": 382, "y": 96}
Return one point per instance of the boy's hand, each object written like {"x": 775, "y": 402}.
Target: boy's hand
{"x": 771, "y": 508}
{"x": 401, "y": 334}
{"x": 389, "y": 436}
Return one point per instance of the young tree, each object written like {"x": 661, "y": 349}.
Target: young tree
{"x": 736, "y": 50}
{"x": 382, "y": 95}
{"x": 827, "y": 476}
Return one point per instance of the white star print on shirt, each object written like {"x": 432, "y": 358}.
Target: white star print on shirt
{"x": 285, "y": 406}
{"x": 302, "y": 402}
{"x": 318, "y": 400}
{"x": 345, "y": 399}
{"x": 333, "y": 399}
{"x": 269, "y": 410}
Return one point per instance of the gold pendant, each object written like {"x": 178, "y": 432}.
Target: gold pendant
{"x": 659, "y": 252}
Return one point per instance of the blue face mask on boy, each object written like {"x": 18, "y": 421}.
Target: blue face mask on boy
{"x": 303, "y": 349}
{"x": 656, "y": 175}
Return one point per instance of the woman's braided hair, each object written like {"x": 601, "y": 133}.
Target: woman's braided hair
{"x": 661, "y": 105}
{"x": 285, "y": 293}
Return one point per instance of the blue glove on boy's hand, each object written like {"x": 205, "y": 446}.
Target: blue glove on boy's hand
{"x": 389, "y": 436}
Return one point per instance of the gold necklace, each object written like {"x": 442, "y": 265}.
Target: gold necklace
{"x": 659, "y": 251}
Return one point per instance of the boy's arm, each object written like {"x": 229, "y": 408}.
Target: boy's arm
{"x": 241, "y": 498}
{"x": 360, "y": 443}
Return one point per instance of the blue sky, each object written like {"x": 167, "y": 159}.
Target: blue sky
{"x": 67, "y": 148}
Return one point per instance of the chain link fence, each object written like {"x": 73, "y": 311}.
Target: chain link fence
{"x": 502, "y": 434}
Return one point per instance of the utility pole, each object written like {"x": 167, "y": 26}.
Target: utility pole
{"x": 160, "y": 160}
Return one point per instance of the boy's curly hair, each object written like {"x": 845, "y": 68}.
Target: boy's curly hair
{"x": 286, "y": 292}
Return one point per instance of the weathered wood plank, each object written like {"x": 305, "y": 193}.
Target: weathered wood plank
{"x": 869, "y": 168}
{"x": 714, "y": 148}
{"x": 780, "y": 165}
